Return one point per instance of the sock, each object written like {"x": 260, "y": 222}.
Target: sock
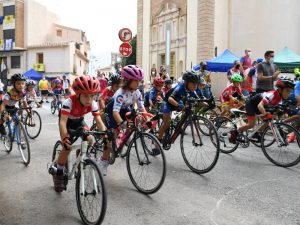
{"x": 60, "y": 168}
{"x": 103, "y": 158}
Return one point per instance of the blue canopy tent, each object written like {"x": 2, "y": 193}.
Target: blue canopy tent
{"x": 33, "y": 75}
{"x": 220, "y": 64}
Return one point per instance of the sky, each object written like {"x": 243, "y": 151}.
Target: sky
{"x": 101, "y": 20}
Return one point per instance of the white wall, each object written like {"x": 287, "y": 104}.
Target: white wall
{"x": 56, "y": 60}
{"x": 192, "y": 15}
{"x": 146, "y": 39}
{"x": 263, "y": 25}
{"x": 221, "y": 25}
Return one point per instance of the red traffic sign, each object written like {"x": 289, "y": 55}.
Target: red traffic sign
{"x": 125, "y": 49}
{"x": 125, "y": 35}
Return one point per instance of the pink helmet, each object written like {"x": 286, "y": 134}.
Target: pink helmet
{"x": 132, "y": 72}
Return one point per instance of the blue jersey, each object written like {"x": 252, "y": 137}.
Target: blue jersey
{"x": 296, "y": 92}
{"x": 152, "y": 95}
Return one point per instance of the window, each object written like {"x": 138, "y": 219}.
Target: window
{"x": 15, "y": 62}
{"x": 40, "y": 58}
{"x": 182, "y": 27}
{"x": 59, "y": 33}
{"x": 9, "y": 10}
{"x": 9, "y": 34}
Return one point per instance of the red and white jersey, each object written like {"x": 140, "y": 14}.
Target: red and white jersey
{"x": 75, "y": 110}
{"x": 271, "y": 98}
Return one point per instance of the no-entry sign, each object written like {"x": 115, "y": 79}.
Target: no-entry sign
{"x": 125, "y": 49}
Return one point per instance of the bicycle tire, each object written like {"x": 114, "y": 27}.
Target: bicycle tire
{"x": 212, "y": 137}
{"x": 101, "y": 191}
{"x": 134, "y": 154}
{"x": 53, "y": 107}
{"x": 267, "y": 152}
{"x": 7, "y": 139}
{"x": 225, "y": 146}
{"x": 21, "y": 147}
{"x": 27, "y": 124}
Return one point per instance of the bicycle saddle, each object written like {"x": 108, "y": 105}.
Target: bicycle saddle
{"x": 237, "y": 112}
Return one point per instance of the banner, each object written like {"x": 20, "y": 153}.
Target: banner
{"x": 9, "y": 19}
{"x": 1, "y": 44}
{"x": 8, "y": 44}
{"x": 1, "y": 20}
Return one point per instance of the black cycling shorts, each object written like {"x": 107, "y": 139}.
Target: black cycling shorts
{"x": 251, "y": 105}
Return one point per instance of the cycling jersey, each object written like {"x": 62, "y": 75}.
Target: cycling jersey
{"x": 153, "y": 95}
{"x": 165, "y": 90}
{"x": 178, "y": 93}
{"x": 75, "y": 110}
{"x": 123, "y": 101}
{"x": 295, "y": 93}
{"x": 13, "y": 97}
{"x": 230, "y": 91}
{"x": 30, "y": 95}
{"x": 107, "y": 95}
{"x": 269, "y": 99}
{"x": 200, "y": 93}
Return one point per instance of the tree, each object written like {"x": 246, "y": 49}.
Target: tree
{"x": 131, "y": 60}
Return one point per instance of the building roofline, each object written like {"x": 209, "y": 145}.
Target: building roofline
{"x": 68, "y": 28}
{"x": 50, "y": 45}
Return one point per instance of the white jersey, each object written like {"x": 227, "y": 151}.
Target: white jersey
{"x": 125, "y": 98}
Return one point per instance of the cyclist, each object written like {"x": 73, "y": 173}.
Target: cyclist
{"x": 30, "y": 93}
{"x": 13, "y": 96}
{"x": 72, "y": 116}
{"x": 57, "y": 89}
{"x": 156, "y": 94}
{"x": 231, "y": 96}
{"x": 174, "y": 99}
{"x": 256, "y": 105}
{"x": 295, "y": 98}
{"x": 168, "y": 85}
{"x": 122, "y": 102}
{"x": 108, "y": 93}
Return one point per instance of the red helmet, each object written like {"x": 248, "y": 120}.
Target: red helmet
{"x": 86, "y": 85}
{"x": 158, "y": 82}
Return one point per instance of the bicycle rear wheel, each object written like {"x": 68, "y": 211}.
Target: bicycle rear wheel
{"x": 224, "y": 126}
{"x": 90, "y": 193}
{"x": 279, "y": 151}
{"x": 33, "y": 124}
{"x": 200, "y": 150}
{"x": 146, "y": 163}
{"x": 23, "y": 144}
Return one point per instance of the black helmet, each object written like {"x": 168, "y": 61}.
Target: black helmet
{"x": 17, "y": 77}
{"x": 168, "y": 81}
{"x": 115, "y": 79}
{"x": 191, "y": 76}
{"x": 284, "y": 82}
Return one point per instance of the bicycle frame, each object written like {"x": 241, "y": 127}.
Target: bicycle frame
{"x": 14, "y": 131}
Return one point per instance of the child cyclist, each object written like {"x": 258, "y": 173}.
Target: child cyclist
{"x": 231, "y": 96}
{"x": 30, "y": 93}
{"x": 123, "y": 101}
{"x": 256, "y": 105}
{"x": 156, "y": 94}
{"x": 174, "y": 98}
{"x": 15, "y": 95}
{"x": 108, "y": 93}
{"x": 72, "y": 116}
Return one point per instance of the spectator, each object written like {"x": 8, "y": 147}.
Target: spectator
{"x": 236, "y": 69}
{"x": 163, "y": 73}
{"x": 44, "y": 87}
{"x": 66, "y": 86}
{"x": 103, "y": 81}
{"x": 153, "y": 74}
{"x": 206, "y": 76}
{"x": 246, "y": 60}
{"x": 1, "y": 86}
{"x": 252, "y": 75}
{"x": 267, "y": 73}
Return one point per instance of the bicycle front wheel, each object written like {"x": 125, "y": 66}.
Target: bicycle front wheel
{"x": 146, "y": 163}
{"x": 53, "y": 107}
{"x": 90, "y": 193}
{"x": 200, "y": 150}
{"x": 33, "y": 124}
{"x": 6, "y": 140}
{"x": 23, "y": 144}
{"x": 276, "y": 147}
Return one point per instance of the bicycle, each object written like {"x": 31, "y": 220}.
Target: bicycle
{"x": 144, "y": 157}
{"x": 16, "y": 133}
{"x": 56, "y": 104}
{"x": 199, "y": 139}
{"x": 271, "y": 132}
{"x": 90, "y": 189}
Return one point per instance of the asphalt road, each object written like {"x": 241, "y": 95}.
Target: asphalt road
{"x": 243, "y": 188}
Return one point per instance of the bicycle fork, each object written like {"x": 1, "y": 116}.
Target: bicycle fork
{"x": 277, "y": 135}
